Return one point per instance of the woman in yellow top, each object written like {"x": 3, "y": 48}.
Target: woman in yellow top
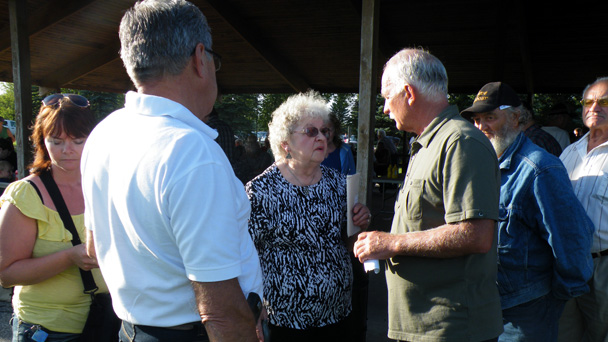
{"x": 36, "y": 253}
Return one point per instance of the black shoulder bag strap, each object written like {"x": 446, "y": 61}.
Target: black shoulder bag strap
{"x": 87, "y": 277}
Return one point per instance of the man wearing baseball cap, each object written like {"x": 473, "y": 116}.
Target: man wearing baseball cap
{"x": 529, "y": 127}
{"x": 544, "y": 234}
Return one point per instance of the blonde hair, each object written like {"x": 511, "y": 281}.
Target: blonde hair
{"x": 309, "y": 105}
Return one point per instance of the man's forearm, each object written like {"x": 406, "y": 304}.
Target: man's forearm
{"x": 224, "y": 311}
{"x": 447, "y": 241}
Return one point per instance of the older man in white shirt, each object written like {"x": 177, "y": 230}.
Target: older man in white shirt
{"x": 586, "y": 318}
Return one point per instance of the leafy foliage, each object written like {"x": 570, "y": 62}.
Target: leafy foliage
{"x": 239, "y": 111}
{"x": 7, "y": 101}
{"x": 247, "y": 113}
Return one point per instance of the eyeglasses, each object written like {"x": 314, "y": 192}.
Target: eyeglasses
{"x": 76, "y": 99}
{"x": 217, "y": 59}
{"x": 590, "y": 102}
{"x": 312, "y": 132}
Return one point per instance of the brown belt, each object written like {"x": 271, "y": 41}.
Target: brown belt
{"x": 599, "y": 254}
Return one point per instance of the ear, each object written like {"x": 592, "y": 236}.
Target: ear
{"x": 516, "y": 116}
{"x": 410, "y": 94}
{"x": 200, "y": 59}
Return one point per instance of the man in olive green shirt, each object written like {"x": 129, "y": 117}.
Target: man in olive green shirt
{"x": 441, "y": 252}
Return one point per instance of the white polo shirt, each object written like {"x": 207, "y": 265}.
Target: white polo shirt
{"x": 166, "y": 209}
{"x": 589, "y": 175}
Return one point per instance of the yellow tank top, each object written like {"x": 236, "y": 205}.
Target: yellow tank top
{"x": 58, "y": 303}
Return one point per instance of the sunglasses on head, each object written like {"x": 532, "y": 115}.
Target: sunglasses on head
{"x": 312, "y": 132}
{"x": 590, "y": 102}
{"x": 76, "y": 99}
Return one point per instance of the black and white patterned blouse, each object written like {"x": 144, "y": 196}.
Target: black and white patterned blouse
{"x": 297, "y": 232}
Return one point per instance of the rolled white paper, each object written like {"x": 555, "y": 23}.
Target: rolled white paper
{"x": 372, "y": 264}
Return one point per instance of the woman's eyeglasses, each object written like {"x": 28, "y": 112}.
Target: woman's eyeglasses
{"x": 77, "y": 100}
{"x": 312, "y": 132}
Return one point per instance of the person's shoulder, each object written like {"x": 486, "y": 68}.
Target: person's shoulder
{"x": 332, "y": 175}
{"x": 269, "y": 176}
{"x": 345, "y": 147}
{"x": 459, "y": 129}
{"x": 533, "y": 153}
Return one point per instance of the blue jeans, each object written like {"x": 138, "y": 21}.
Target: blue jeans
{"x": 536, "y": 320}
{"x": 130, "y": 332}
{"x": 22, "y": 332}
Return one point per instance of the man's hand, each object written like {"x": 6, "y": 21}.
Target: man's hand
{"x": 374, "y": 245}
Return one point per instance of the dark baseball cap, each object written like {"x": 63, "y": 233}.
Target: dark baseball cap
{"x": 490, "y": 97}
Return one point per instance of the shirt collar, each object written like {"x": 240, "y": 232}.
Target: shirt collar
{"x": 429, "y": 132}
{"x": 152, "y": 105}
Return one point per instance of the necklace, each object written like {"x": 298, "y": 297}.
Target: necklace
{"x": 304, "y": 187}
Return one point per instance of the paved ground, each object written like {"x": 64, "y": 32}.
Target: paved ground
{"x": 377, "y": 305}
{"x": 5, "y": 315}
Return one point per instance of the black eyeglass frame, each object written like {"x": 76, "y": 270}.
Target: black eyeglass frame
{"x": 217, "y": 58}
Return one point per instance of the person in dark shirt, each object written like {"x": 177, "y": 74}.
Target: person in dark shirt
{"x": 540, "y": 137}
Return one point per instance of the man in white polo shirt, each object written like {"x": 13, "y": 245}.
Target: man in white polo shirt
{"x": 167, "y": 215}
{"x": 585, "y": 318}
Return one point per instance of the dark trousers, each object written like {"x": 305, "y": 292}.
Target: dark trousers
{"x": 329, "y": 333}
{"x": 130, "y": 332}
{"x": 357, "y": 320}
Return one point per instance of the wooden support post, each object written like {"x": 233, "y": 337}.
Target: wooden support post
{"x": 20, "y": 49}
{"x": 367, "y": 96}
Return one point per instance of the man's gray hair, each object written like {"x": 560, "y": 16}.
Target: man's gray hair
{"x": 525, "y": 114}
{"x": 158, "y": 37}
{"x": 598, "y": 80}
{"x": 420, "y": 69}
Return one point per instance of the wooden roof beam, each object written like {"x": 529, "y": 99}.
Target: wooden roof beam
{"x": 81, "y": 67}
{"x": 247, "y": 33}
{"x": 49, "y": 14}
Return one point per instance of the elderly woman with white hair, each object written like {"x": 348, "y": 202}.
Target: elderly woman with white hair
{"x": 298, "y": 225}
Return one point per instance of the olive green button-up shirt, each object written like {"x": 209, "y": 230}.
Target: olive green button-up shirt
{"x": 452, "y": 176}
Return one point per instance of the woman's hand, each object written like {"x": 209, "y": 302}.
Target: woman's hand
{"x": 362, "y": 217}
{"x": 79, "y": 256}
{"x": 18, "y": 235}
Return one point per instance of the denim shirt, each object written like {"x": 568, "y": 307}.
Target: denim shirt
{"x": 544, "y": 234}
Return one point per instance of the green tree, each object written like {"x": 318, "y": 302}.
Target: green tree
{"x": 240, "y": 111}
{"x": 342, "y": 105}
{"x": 102, "y": 103}
{"x": 7, "y": 101}
{"x": 269, "y": 103}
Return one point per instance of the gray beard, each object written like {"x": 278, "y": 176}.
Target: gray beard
{"x": 502, "y": 140}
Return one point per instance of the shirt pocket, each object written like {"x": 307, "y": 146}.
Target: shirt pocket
{"x": 503, "y": 216}
{"x": 600, "y": 191}
{"x": 413, "y": 201}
